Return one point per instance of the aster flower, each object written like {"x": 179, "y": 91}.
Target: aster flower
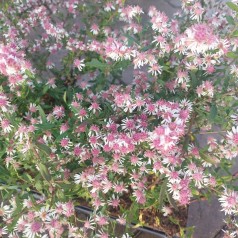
{"x": 33, "y": 229}
{"x": 79, "y": 64}
{"x": 6, "y": 125}
{"x": 58, "y": 112}
{"x": 102, "y": 234}
{"x": 182, "y": 76}
{"x": 109, "y": 6}
{"x": 89, "y": 224}
{"x": 65, "y": 143}
{"x": 114, "y": 201}
{"x": 94, "y": 107}
{"x": 166, "y": 211}
{"x": 101, "y": 220}
{"x": 155, "y": 69}
{"x": 234, "y": 118}
{"x": 200, "y": 38}
{"x": 121, "y": 220}
{"x": 233, "y": 136}
{"x": 229, "y": 201}
{"x": 95, "y": 29}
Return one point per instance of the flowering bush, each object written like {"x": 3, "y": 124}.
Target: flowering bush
{"x": 74, "y": 131}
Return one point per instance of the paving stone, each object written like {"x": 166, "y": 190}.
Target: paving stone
{"x": 206, "y": 217}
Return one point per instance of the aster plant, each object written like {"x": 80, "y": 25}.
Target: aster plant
{"x": 76, "y": 131}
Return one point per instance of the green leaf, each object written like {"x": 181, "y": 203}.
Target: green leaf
{"x": 213, "y": 112}
{"x": 235, "y": 33}
{"x": 206, "y": 158}
{"x": 7, "y": 187}
{"x": 42, "y": 114}
{"x": 45, "y": 126}
{"x": 44, "y": 172}
{"x": 162, "y": 194}
{"x": 43, "y": 147}
{"x": 232, "y": 6}
{"x": 131, "y": 40}
{"x": 194, "y": 78}
{"x": 188, "y": 232}
{"x": 95, "y": 63}
{"x": 45, "y": 89}
{"x": 171, "y": 201}
{"x": 65, "y": 97}
{"x": 4, "y": 174}
{"x": 29, "y": 74}
{"x": 38, "y": 185}
{"x": 230, "y": 20}
{"x": 231, "y": 55}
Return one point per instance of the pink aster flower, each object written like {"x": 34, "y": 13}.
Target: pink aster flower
{"x": 79, "y": 64}
{"x": 33, "y": 229}
{"x": 233, "y": 136}
{"x": 94, "y": 107}
{"x": 229, "y": 201}
{"x": 6, "y": 125}
{"x": 58, "y": 112}
{"x": 95, "y": 29}
{"x": 200, "y": 38}
{"x": 4, "y": 103}
{"x": 65, "y": 143}
{"x": 109, "y": 6}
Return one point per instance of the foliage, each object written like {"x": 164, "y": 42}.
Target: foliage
{"x": 75, "y": 131}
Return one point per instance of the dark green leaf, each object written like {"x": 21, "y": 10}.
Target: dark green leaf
{"x": 230, "y": 20}
{"x": 213, "y": 112}
{"x": 44, "y": 172}
{"x": 42, "y": 114}
{"x": 43, "y": 147}
{"x": 95, "y": 63}
{"x": 45, "y": 89}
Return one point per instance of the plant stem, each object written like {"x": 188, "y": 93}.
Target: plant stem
{"x": 186, "y": 141}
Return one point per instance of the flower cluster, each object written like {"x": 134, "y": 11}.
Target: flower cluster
{"x": 76, "y": 131}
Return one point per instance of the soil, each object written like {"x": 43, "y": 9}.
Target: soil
{"x": 170, "y": 224}
{"x": 153, "y": 218}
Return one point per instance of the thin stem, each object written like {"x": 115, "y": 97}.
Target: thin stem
{"x": 210, "y": 132}
{"x": 186, "y": 141}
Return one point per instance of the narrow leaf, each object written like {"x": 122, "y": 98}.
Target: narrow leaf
{"x": 42, "y": 114}
{"x": 235, "y": 33}
{"x": 65, "y": 97}
{"x": 213, "y": 112}
{"x": 162, "y": 194}
{"x": 232, "y": 6}
{"x": 95, "y": 63}
{"x": 44, "y": 172}
{"x": 231, "y": 55}
{"x": 171, "y": 201}
{"x": 43, "y": 147}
